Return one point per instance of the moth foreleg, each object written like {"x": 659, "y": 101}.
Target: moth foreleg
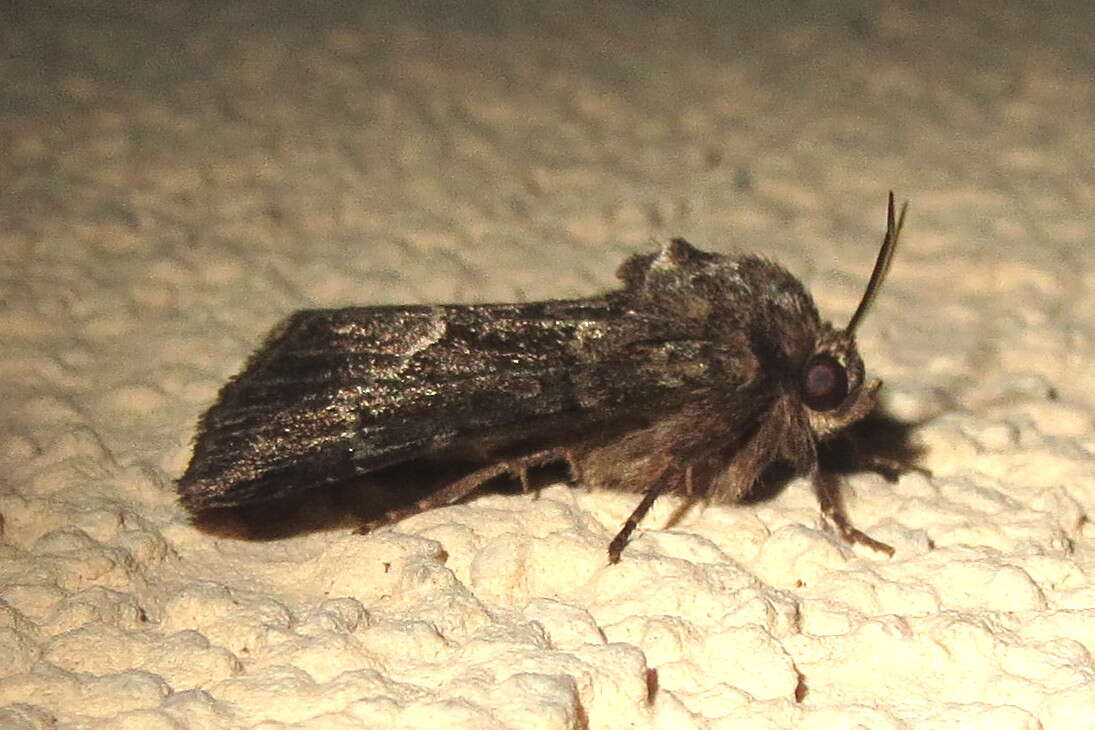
{"x": 827, "y": 489}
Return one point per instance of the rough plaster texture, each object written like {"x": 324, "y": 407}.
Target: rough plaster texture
{"x": 174, "y": 179}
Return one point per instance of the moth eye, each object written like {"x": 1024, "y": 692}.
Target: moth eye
{"x": 824, "y": 383}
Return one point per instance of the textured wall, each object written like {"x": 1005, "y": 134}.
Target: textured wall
{"x": 174, "y": 180}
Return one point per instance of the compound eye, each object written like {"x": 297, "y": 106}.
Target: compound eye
{"x": 824, "y": 383}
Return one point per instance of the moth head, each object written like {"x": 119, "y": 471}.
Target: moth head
{"x": 831, "y": 384}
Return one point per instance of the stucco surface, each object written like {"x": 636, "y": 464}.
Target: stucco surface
{"x": 174, "y": 179}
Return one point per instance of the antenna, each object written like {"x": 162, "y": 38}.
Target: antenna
{"x": 881, "y": 264}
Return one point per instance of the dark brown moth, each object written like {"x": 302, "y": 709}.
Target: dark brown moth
{"x": 693, "y": 378}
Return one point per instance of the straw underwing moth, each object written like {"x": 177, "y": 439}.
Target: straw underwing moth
{"x": 693, "y": 377}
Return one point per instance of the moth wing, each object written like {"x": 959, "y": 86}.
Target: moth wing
{"x": 333, "y": 394}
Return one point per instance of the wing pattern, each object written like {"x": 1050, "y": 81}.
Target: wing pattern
{"x": 333, "y": 394}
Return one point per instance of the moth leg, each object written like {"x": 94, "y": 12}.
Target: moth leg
{"x": 827, "y": 489}
{"x": 573, "y": 467}
{"x": 620, "y": 541}
{"x": 519, "y": 467}
{"x": 462, "y": 487}
{"x": 747, "y": 465}
{"x": 521, "y": 472}
{"x": 448, "y": 494}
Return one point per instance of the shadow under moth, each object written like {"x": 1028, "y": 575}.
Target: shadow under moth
{"x": 696, "y": 375}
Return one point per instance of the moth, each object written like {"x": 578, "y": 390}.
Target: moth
{"x": 694, "y": 377}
